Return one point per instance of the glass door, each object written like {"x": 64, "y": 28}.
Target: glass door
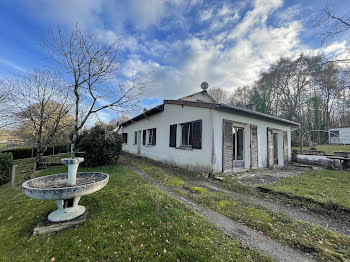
{"x": 238, "y": 146}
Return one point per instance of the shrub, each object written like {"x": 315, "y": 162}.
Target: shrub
{"x": 20, "y": 153}
{"x": 101, "y": 147}
{"x": 6, "y": 162}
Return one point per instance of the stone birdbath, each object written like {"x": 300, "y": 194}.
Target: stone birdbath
{"x": 66, "y": 189}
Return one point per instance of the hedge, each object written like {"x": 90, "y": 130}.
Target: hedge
{"x": 20, "y": 153}
{"x": 6, "y": 162}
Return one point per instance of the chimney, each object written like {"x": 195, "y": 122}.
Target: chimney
{"x": 251, "y": 106}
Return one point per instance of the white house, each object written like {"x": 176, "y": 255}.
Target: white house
{"x": 339, "y": 135}
{"x": 196, "y": 133}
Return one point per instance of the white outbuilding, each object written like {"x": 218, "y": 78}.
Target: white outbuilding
{"x": 197, "y": 133}
{"x": 339, "y": 135}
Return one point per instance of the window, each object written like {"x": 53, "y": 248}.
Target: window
{"x": 191, "y": 134}
{"x": 125, "y": 138}
{"x": 144, "y": 137}
{"x": 186, "y": 134}
{"x": 172, "y": 137}
{"x": 135, "y": 138}
{"x": 152, "y": 136}
{"x": 334, "y": 133}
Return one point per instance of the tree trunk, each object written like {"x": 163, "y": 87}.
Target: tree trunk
{"x": 74, "y": 141}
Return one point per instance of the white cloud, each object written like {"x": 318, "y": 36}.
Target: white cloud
{"x": 230, "y": 49}
{"x": 12, "y": 65}
{"x": 227, "y": 62}
{"x": 205, "y": 15}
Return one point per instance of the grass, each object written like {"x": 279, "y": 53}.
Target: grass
{"x": 128, "y": 220}
{"x": 329, "y": 149}
{"x": 328, "y": 246}
{"x": 330, "y": 187}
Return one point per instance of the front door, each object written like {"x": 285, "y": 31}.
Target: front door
{"x": 233, "y": 146}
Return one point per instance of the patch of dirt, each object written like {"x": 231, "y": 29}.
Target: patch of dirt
{"x": 267, "y": 176}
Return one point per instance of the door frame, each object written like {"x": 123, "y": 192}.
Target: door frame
{"x": 241, "y": 162}
{"x": 257, "y": 146}
{"x": 238, "y": 163}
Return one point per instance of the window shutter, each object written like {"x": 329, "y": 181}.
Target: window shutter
{"x": 172, "y": 139}
{"x": 125, "y": 138}
{"x": 144, "y": 137}
{"x": 154, "y": 137}
{"x": 197, "y": 134}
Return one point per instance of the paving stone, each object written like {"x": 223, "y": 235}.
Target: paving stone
{"x": 48, "y": 227}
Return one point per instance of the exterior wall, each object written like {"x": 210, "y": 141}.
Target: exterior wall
{"x": 344, "y": 136}
{"x": 209, "y": 158}
{"x": 245, "y": 122}
{"x": 201, "y": 96}
{"x": 193, "y": 159}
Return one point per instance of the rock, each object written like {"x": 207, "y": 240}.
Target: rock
{"x": 220, "y": 178}
{"x": 48, "y": 227}
{"x": 205, "y": 174}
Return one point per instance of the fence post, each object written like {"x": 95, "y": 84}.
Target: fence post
{"x": 34, "y": 169}
{"x": 13, "y": 176}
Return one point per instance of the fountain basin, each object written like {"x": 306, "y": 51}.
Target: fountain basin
{"x": 56, "y": 187}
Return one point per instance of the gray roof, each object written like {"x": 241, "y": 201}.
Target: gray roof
{"x": 251, "y": 113}
{"x": 220, "y": 107}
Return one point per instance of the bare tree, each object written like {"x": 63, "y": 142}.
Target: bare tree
{"x": 5, "y": 108}
{"x": 241, "y": 96}
{"x": 332, "y": 26}
{"x": 41, "y": 103}
{"x": 91, "y": 66}
{"x": 220, "y": 95}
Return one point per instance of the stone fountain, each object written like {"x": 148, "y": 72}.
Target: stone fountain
{"x": 66, "y": 189}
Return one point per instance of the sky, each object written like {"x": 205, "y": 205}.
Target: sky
{"x": 181, "y": 42}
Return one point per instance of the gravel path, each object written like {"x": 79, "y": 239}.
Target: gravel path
{"x": 293, "y": 212}
{"x": 246, "y": 235}
{"x": 326, "y": 222}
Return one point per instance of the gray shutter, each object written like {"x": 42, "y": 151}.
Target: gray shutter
{"x": 254, "y": 146}
{"x": 285, "y": 148}
{"x": 144, "y": 137}
{"x": 197, "y": 134}
{"x": 172, "y": 136}
{"x": 227, "y": 146}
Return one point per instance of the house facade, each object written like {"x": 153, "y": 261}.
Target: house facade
{"x": 196, "y": 133}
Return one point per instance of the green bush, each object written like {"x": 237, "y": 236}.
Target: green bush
{"x": 20, "y": 153}
{"x": 6, "y": 162}
{"x": 100, "y": 146}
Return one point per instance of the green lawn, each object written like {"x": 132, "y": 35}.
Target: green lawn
{"x": 128, "y": 220}
{"x": 328, "y": 246}
{"x": 329, "y": 149}
{"x": 323, "y": 186}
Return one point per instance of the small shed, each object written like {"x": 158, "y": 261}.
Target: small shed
{"x": 339, "y": 135}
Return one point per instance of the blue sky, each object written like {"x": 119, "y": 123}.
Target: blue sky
{"x": 183, "y": 42}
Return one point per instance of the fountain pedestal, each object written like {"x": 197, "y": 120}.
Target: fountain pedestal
{"x": 66, "y": 189}
{"x": 69, "y": 209}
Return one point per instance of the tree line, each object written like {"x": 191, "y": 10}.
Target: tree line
{"x": 309, "y": 90}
